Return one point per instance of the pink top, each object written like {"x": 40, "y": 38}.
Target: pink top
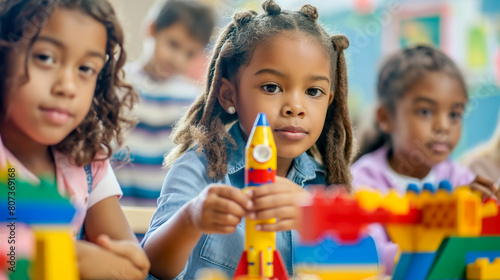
{"x": 71, "y": 181}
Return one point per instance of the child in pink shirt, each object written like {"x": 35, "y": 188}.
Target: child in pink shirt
{"x": 61, "y": 63}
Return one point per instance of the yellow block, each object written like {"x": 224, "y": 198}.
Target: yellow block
{"x": 489, "y": 209}
{"x": 344, "y": 272}
{"x": 396, "y": 204}
{"x": 55, "y": 257}
{"x": 482, "y": 269}
{"x": 368, "y": 199}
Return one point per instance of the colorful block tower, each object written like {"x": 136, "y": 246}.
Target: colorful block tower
{"x": 260, "y": 258}
{"x": 43, "y": 215}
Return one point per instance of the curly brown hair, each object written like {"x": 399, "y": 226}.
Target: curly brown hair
{"x": 205, "y": 122}
{"x": 21, "y": 22}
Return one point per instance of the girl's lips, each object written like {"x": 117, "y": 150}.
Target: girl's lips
{"x": 56, "y": 116}
{"x": 439, "y": 147}
{"x": 293, "y": 133}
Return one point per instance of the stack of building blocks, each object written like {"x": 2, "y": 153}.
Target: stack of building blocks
{"x": 442, "y": 234}
{"x": 48, "y": 215}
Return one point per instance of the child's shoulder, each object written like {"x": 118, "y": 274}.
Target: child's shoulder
{"x": 374, "y": 160}
{"x": 371, "y": 169}
{"x": 454, "y": 172}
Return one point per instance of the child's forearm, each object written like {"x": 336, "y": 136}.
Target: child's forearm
{"x": 169, "y": 247}
{"x": 95, "y": 262}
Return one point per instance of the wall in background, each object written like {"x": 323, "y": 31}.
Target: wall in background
{"x": 131, "y": 13}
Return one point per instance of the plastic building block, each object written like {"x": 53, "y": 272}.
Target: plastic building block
{"x": 491, "y": 218}
{"x": 429, "y": 187}
{"x": 442, "y": 214}
{"x": 55, "y": 255}
{"x": 414, "y": 266}
{"x": 482, "y": 269}
{"x": 445, "y": 185}
{"x": 48, "y": 216}
{"x": 346, "y": 273}
{"x": 471, "y": 257}
{"x": 259, "y": 258}
{"x": 450, "y": 261}
{"x": 331, "y": 252}
{"x": 413, "y": 188}
{"x": 40, "y": 204}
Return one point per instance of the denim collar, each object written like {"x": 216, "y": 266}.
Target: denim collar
{"x": 304, "y": 166}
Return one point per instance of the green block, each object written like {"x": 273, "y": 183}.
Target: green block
{"x": 450, "y": 259}
{"x": 22, "y": 271}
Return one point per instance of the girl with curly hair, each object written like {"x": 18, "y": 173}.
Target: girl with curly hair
{"x": 60, "y": 63}
{"x": 282, "y": 63}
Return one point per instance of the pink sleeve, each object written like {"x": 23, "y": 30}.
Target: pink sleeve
{"x": 463, "y": 175}
{"x": 104, "y": 183}
{"x": 3, "y": 158}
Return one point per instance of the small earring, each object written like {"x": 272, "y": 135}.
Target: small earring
{"x": 231, "y": 110}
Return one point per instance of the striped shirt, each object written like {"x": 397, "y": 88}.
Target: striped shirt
{"x": 162, "y": 104}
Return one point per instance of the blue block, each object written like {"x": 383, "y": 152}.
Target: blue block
{"x": 329, "y": 251}
{"x": 414, "y": 266}
{"x": 40, "y": 212}
{"x": 471, "y": 257}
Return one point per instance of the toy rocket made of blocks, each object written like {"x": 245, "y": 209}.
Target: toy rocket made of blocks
{"x": 260, "y": 258}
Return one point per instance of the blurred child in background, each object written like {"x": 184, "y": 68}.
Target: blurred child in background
{"x": 422, "y": 97}
{"x": 181, "y": 30}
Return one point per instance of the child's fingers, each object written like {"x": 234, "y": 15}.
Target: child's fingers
{"x": 281, "y": 225}
{"x": 104, "y": 241}
{"x": 223, "y": 229}
{"x": 274, "y": 201}
{"x": 127, "y": 270}
{"x": 225, "y": 205}
{"x": 485, "y": 192}
{"x": 285, "y": 212}
{"x": 224, "y": 218}
{"x": 233, "y": 194}
{"x": 492, "y": 187}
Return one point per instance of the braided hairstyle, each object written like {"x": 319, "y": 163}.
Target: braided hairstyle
{"x": 398, "y": 74}
{"x": 205, "y": 122}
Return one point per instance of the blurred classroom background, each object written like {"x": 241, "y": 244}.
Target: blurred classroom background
{"x": 467, "y": 30}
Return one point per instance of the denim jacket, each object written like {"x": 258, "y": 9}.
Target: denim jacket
{"x": 188, "y": 177}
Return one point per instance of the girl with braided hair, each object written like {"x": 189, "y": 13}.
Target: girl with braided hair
{"x": 284, "y": 64}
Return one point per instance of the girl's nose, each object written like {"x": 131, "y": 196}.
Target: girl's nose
{"x": 293, "y": 106}
{"x": 441, "y": 123}
{"x": 65, "y": 84}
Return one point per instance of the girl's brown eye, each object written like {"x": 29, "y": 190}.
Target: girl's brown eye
{"x": 271, "y": 88}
